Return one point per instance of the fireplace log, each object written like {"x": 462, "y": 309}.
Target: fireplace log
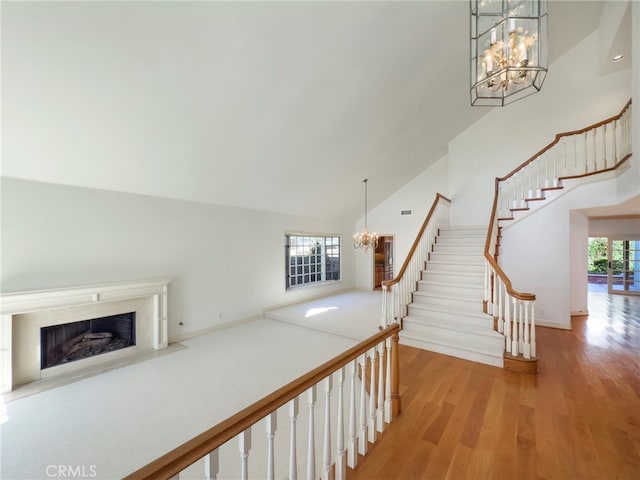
{"x": 93, "y": 336}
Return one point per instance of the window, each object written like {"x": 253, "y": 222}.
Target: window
{"x": 311, "y": 259}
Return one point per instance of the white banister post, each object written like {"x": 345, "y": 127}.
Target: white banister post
{"x": 372, "y": 397}
{"x": 362, "y": 439}
{"x": 244, "y": 444}
{"x": 521, "y": 327}
{"x": 486, "y": 283}
{"x": 507, "y": 320}
{"x": 533, "y": 329}
{"x": 352, "y": 449}
{"x": 211, "y": 465}
{"x": 387, "y": 393}
{"x": 527, "y": 347}
{"x": 499, "y": 291}
{"x": 514, "y": 330}
{"x": 311, "y": 442}
{"x": 327, "y": 473}
{"x": 380, "y": 410}
{"x": 385, "y": 302}
{"x": 341, "y": 460}
{"x": 293, "y": 462}
{"x": 271, "y": 426}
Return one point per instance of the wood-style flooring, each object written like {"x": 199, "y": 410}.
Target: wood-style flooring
{"x": 579, "y": 418}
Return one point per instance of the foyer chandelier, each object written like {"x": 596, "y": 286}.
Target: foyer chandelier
{"x": 364, "y": 239}
{"x": 508, "y": 50}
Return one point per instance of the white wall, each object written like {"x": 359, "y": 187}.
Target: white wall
{"x": 221, "y": 259}
{"x": 545, "y": 253}
{"x": 573, "y": 96}
{"x": 385, "y": 218}
{"x": 614, "y": 227}
{"x": 578, "y": 262}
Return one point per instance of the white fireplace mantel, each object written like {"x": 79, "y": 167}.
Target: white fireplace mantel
{"x": 14, "y": 304}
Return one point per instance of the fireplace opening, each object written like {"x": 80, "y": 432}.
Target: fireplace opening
{"x": 77, "y": 340}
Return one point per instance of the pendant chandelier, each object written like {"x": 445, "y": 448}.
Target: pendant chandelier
{"x": 364, "y": 239}
{"x": 508, "y": 50}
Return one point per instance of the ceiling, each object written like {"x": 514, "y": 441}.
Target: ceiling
{"x": 278, "y": 106}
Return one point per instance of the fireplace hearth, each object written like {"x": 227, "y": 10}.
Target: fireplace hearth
{"x": 60, "y": 344}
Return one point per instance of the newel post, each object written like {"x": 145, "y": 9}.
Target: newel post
{"x": 396, "y": 408}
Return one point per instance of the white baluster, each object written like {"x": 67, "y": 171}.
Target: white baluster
{"x": 521, "y": 327}
{"x": 293, "y": 460}
{"x": 387, "y": 393}
{"x": 244, "y": 444}
{"x": 533, "y": 330}
{"x": 500, "y": 299}
{"x": 352, "y": 450}
{"x": 514, "y": 330}
{"x": 372, "y": 397}
{"x": 362, "y": 439}
{"x": 586, "y": 157}
{"x": 486, "y": 282}
{"x": 527, "y": 347}
{"x": 311, "y": 443}
{"x": 380, "y": 411}
{"x": 211, "y": 465}
{"x": 615, "y": 143}
{"x": 327, "y": 473}
{"x": 494, "y": 297}
{"x": 507, "y": 321}
{"x": 604, "y": 145}
{"x": 383, "y": 320}
{"x": 341, "y": 455}
{"x": 271, "y": 426}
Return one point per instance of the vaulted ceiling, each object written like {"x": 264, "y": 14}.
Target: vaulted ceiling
{"x": 279, "y": 106}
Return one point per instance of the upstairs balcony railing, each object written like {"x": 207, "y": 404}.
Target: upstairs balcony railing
{"x": 599, "y": 148}
{"x": 374, "y": 360}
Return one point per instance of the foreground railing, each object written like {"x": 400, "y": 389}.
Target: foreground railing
{"x": 375, "y": 360}
{"x": 405, "y": 283}
{"x": 599, "y": 148}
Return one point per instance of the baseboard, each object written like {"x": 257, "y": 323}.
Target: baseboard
{"x": 579, "y": 313}
{"x": 546, "y": 323}
{"x": 215, "y": 328}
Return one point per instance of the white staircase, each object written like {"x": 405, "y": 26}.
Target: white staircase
{"x": 446, "y": 313}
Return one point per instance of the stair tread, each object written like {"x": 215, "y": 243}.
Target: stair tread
{"x": 457, "y": 274}
{"x": 464, "y": 328}
{"x": 440, "y": 262}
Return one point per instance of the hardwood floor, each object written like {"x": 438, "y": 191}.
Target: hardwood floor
{"x": 579, "y": 418}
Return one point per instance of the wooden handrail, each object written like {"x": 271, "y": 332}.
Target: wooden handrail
{"x": 566, "y": 134}
{"x": 388, "y": 283}
{"x": 193, "y": 450}
{"x": 492, "y": 261}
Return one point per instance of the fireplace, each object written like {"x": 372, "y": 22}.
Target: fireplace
{"x": 68, "y": 342}
{"x": 131, "y": 316}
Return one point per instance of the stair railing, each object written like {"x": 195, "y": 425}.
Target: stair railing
{"x": 405, "y": 282}
{"x": 375, "y": 359}
{"x": 599, "y": 148}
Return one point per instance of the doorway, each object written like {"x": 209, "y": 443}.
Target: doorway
{"x": 383, "y": 261}
{"x": 614, "y": 265}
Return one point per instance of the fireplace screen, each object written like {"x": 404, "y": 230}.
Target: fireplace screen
{"x": 74, "y": 341}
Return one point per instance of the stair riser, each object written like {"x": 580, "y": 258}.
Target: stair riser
{"x": 456, "y": 257}
{"x": 458, "y": 338}
{"x": 467, "y": 240}
{"x": 457, "y": 268}
{"x": 445, "y": 277}
{"x": 475, "y": 248}
{"x": 431, "y": 316}
{"x": 474, "y": 306}
{"x": 462, "y": 291}
{"x": 463, "y": 232}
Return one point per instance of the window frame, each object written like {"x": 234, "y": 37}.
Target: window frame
{"x": 321, "y": 264}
